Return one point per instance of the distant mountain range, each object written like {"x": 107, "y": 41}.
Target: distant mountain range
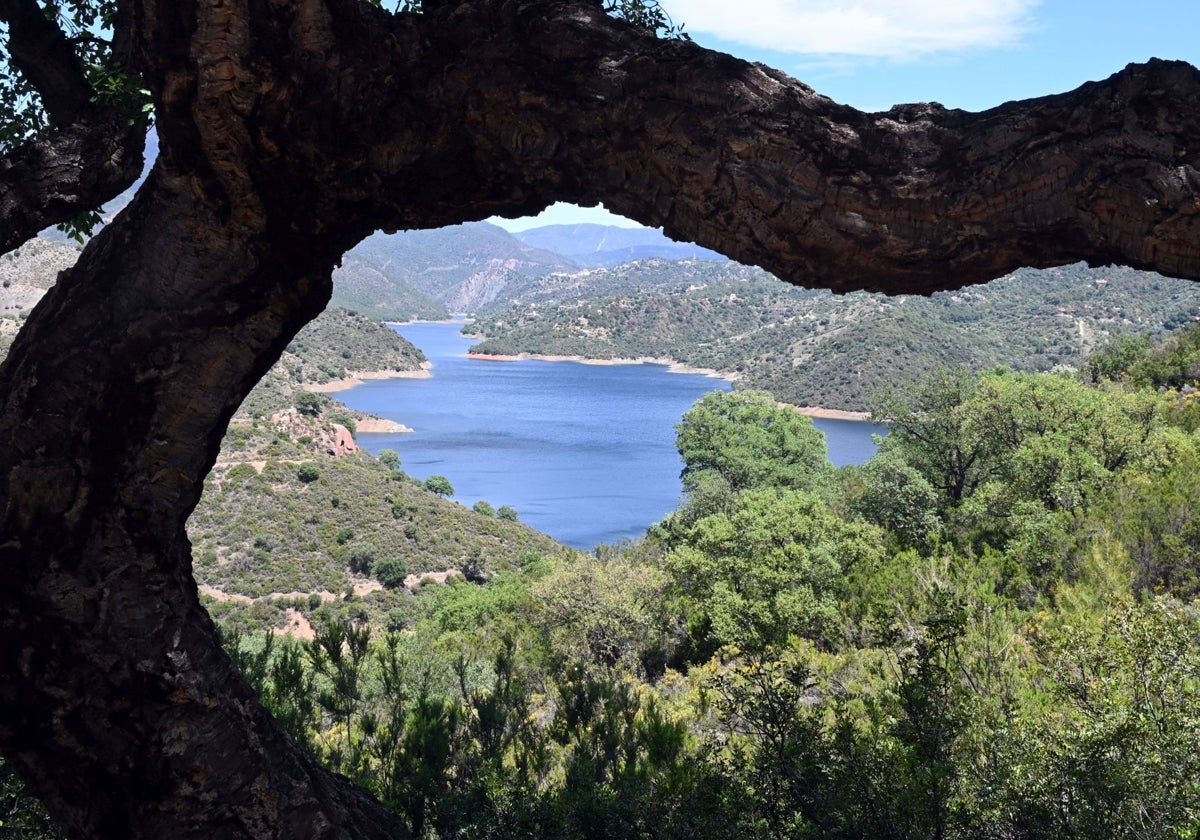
{"x": 427, "y": 274}
{"x": 604, "y": 246}
{"x": 430, "y": 273}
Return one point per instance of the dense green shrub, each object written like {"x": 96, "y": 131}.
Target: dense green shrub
{"x": 391, "y": 572}
{"x": 360, "y": 557}
{"x": 440, "y": 485}
{"x": 309, "y": 403}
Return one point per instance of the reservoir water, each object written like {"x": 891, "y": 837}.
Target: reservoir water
{"x": 584, "y": 453}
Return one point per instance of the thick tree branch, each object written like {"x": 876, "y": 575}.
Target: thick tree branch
{"x": 51, "y": 180}
{"x": 745, "y": 160}
{"x": 94, "y": 152}
{"x": 571, "y": 105}
{"x": 40, "y": 50}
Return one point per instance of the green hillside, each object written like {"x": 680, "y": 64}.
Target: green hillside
{"x": 281, "y": 519}
{"x": 359, "y": 285}
{"x": 338, "y": 342}
{"x": 815, "y": 348}
{"x": 295, "y": 521}
{"x": 293, "y": 508}
{"x": 335, "y": 345}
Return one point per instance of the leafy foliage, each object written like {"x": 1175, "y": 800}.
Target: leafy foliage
{"x": 87, "y": 28}
{"x": 749, "y": 441}
{"x": 391, "y": 572}
{"x": 766, "y": 570}
{"x": 22, "y": 816}
{"x": 440, "y": 485}
{"x": 647, "y": 14}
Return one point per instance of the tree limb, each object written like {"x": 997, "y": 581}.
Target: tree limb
{"x": 51, "y": 180}
{"x": 40, "y": 50}
{"x": 94, "y": 151}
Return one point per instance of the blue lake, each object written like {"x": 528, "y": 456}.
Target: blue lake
{"x": 584, "y": 453}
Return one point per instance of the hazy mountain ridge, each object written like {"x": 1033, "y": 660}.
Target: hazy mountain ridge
{"x": 426, "y": 274}
{"x": 25, "y": 275}
{"x": 605, "y": 246}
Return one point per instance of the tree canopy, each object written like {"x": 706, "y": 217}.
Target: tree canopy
{"x": 748, "y": 440}
{"x": 290, "y": 130}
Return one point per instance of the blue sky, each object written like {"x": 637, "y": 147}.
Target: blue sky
{"x": 970, "y": 54}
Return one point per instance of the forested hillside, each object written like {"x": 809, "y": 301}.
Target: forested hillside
{"x": 815, "y": 348}
{"x": 298, "y": 526}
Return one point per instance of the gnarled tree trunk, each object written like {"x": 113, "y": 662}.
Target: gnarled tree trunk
{"x": 289, "y": 130}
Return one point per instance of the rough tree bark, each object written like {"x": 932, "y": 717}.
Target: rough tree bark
{"x": 290, "y": 129}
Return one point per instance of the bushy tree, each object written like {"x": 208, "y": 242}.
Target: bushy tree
{"x": 439, "y": 484}
{"x": 929, "y": 426}
{"x": 389, "y": 458}
{"x": 1121, "y": 757}
{"x": 606, "y": 615}
{"x": 769, "y": 569}
{"x": 1002, "y": 447}
{"x": 749, "y": 440}
{"x": 898, "y": 498}
{"x": 391, "y": 572}
{"x": 360, "y": 557}
{"x": 309, "y": 403}
{"x": 1114, "y": 360}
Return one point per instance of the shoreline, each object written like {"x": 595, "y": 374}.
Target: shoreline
{"x": 358, "y": 377}
{"x": 372, "y": 425}
{"x": 815, "y": 411}
{"x": 463, "y": 319}
{"x": 671, "y": 365}
{"x": 820, "y": 413}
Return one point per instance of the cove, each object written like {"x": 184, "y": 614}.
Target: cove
{"x": 583, "y": 452}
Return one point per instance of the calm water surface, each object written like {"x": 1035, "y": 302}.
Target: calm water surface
{"x": 585, "y": 453}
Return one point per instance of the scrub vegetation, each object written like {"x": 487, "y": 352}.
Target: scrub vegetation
{"x": 987, "y": 630}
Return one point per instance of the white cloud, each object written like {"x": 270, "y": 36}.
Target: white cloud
{"x": 881, "y": 28}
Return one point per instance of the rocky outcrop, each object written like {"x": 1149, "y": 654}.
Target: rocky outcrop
{"x": 338, "y": 441}
{"x": 482, "y": 287}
